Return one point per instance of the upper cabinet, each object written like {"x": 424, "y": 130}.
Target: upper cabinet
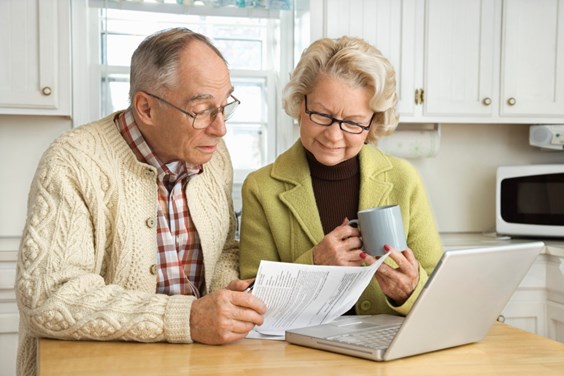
{"x": 471, "y": 61}
{"x": 532, "y": 60}
{"x": 460, "y": 57}
{"x": 35, "y": 66}
{"x": 393, "y": 26}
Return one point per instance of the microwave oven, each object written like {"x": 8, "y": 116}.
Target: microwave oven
{"x": 530, "y": 200}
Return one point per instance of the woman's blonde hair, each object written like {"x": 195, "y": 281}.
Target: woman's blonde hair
{"x": 355, "y": 61}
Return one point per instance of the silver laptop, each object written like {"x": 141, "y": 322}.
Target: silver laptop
{"x": 458, "y": 305}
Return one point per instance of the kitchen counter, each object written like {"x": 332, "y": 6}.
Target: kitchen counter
{"x": 554, "y": 247}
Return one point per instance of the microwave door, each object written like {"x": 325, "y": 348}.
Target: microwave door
{"x": 533, "y": 200}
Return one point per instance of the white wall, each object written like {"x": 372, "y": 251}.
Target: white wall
{"x": 461, "y": 179}
{"x": 23, "y": 139}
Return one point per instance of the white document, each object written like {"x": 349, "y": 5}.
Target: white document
{"x": 298, "y": 295}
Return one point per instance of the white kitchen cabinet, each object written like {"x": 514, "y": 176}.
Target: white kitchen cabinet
{"x": 555, "y": 321}
{"x": 527, "y": 308}
{"x": 461, "y": 40}
{"x": 526, "y": 315}
{"x": 532, "y": 59}
{"x": 462, "y": 61}
{"x": 35, "y": 67}
{"x": 555, "y": 295}
{"x": 390, "y": 25}
{"x": 494, "y": 61}
{"x": 538, "y": 303}
{"x": 9, "y": 317}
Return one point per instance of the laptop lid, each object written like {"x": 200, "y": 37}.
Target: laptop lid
{"x": 458, "y": 305}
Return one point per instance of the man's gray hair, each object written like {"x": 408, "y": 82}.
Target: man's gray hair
{"x": 155, "y": 62}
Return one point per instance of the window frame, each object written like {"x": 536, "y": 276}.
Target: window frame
{"x": 281, "y": 129}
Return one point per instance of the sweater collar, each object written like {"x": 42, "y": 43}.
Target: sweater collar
{"x": 371, "y": 161}
{"x": 341, "y": 171}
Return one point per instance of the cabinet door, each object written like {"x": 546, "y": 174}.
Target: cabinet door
{"x": 555, "y": 318}
{"x": 532, "y": 70}
{"x": 459, "y": 73}
{"x": 35, "y": 58}
{"x": 389, "y": 25}
{"x": 526, "y": 315}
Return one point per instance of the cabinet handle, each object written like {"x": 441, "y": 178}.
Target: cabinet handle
{"x": 419, "y": 96}
{"x": 487, "y": 101}
{"x": 511, "y": 101}
{"x": 46, "y": 90}
{"x": 501, "y": 318}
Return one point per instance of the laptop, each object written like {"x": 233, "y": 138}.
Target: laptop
{"x": 458, "y": 305}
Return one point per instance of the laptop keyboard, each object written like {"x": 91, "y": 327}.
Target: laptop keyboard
{"x": 375, "y": 338}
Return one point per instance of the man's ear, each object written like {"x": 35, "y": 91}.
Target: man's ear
{"x": 142, "y": 105}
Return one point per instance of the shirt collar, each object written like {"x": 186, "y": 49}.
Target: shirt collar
{"x": 134, "y": 138}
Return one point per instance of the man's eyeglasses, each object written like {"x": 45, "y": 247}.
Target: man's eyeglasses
{"x": 345, "y": 125}
{"x": 205, "y": 118}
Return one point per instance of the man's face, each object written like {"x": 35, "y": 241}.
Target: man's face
{"x": 203, "y": 83}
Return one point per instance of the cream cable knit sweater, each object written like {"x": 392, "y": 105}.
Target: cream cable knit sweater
{"x": 89, "y": 244}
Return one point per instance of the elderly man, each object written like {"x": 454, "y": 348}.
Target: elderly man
{"x": 130, "y": 228}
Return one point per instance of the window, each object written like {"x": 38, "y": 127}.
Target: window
{"x": 250, "y": 40}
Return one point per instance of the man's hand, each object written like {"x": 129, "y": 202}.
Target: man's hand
{"x": 225, "y": 316}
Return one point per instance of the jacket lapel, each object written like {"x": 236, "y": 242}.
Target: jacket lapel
{"x": 291, "y": 168}
{"x": 374, "y": 189}
{"x": 299, "y": 197}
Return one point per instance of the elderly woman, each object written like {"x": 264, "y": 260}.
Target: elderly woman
{"x": 343, "y": 95}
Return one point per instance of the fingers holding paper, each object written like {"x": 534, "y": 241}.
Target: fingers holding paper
{"x": 398, "y": 283}
{"x": 225, "y": 316}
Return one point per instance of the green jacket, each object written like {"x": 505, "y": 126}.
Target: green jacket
{"x": 280, "y": 220}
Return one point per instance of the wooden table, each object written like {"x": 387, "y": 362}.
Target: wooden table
{"x": 505, "y": 351}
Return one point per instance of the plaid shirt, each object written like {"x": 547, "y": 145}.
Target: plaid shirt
{"x": 179, "y": 255}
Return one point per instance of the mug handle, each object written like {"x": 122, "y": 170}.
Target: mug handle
{"x": 354, "y": 222}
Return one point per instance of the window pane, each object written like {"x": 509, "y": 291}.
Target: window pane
{"x": 121, "y": 47}
{"x": 252, "y": 94}
{"x": 241, "y": 54}
{"x": 246, "y": 145}
{"x": 116, "y": 97}
{"x": 250, "y": 45}
{"x": 241, "y": 40}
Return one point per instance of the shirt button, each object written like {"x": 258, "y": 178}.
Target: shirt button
{"x": 149, "y": 173}
{"x": 153, "y": 269}
{"x": 150, "y": 222}
{"x": 365, "y": 305}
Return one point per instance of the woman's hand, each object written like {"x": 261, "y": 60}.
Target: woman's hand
{"x": 397, "y": 283}
{"x": 340, "y": 247}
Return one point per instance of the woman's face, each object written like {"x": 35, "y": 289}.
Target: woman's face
{"x": 334, "y": 97}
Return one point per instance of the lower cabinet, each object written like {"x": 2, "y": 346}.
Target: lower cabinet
{"x": 555, "y": 298}
{"x": 537, "y": 306}
{"x": 526, "y": 315}
{"x": 555, "y": 320}
{"x": 9, "y": 317}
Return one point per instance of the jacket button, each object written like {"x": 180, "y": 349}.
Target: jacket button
{"x": 365, "y": 305}
{"x": 153, "y": 269}
{"x": 150, "y": 222}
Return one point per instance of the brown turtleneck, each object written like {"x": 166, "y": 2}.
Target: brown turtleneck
{"x": 336, "y": 190}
